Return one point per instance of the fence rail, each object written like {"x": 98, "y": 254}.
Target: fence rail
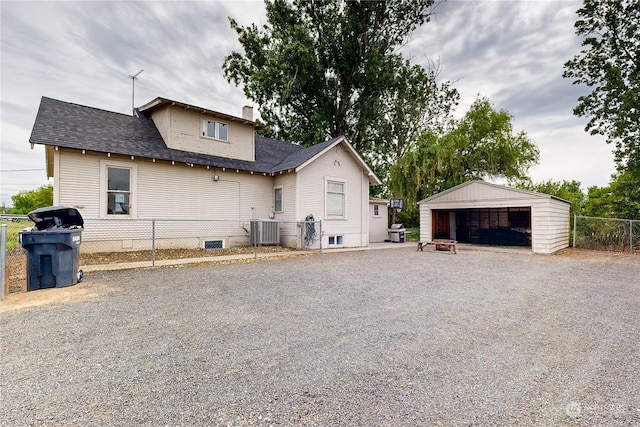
{"x": 132, "y": 241}
{"x": 608, "y": 234}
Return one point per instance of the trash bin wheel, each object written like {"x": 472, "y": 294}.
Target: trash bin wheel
{"x": 80, "y": 276}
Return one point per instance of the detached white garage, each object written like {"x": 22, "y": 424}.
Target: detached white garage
{"x": 478, "y": 212}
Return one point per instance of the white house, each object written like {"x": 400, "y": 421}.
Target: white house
{"x": 478, "y": 212}
{"x": 175, "y": 160}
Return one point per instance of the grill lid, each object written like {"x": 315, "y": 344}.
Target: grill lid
{"x": 396, "y": 226}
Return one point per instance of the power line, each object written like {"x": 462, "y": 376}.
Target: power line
{"x": 22, "y": 184}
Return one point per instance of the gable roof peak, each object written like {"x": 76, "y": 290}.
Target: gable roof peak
{"x": 478, "y": 181}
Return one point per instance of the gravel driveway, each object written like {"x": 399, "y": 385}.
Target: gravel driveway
{"x": 374, "y": 338}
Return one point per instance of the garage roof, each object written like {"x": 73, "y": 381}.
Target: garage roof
{"x": 478, "y": 190}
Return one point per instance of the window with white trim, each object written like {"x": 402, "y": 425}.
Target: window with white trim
{"x": 376, "y": 210}
{"x": 277, "y": 199}
{"x": 335, "y": 199}
{"x": 214, "y": 129}
{"x": 118, "y": 188}
{"x": 118, "y": 191}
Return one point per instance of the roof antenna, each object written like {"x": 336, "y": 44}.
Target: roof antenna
{"x": 133, "y": 91}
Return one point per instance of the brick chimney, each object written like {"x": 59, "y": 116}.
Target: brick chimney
{"x": 247, "y": 113}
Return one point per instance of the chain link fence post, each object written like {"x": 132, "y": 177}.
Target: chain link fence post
{"x": 3, "y": 255}
{"x": 153, "y": 242}
{"x": 254, "y": 237}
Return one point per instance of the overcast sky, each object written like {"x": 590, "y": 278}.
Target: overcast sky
{"x": 84, "y": 52}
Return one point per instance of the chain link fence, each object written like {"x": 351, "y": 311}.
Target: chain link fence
{"x": 606, "y": 234}
{"x": 151, "y": 242}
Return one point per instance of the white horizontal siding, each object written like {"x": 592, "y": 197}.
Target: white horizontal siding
{"x": 378, "y": 225}
{"x": 179, "y": 191}
{"x": 550, "y": 225}
{"x": 162, "y": 119}
{"x": 479, "y": 204}
{"x": 104, "y": 235}
{"x": 425, "y": 223}
{"x": 336, "y": 163}
{"x": 480, "y": 191}
{"x": 288, "y": 231}
{"x": 78, "y": 181}
{"x": 164, "y": 191}
{"x": 185, "y": 133}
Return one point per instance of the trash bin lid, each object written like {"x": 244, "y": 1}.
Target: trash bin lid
{"x": 46, "y": 217}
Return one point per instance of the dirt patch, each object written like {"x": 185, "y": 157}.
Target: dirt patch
{"x": 71, "y": 294}
{"x": 602, "y": 256}
{"x": 162, "y": 254}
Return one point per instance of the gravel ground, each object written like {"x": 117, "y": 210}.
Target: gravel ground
{"x": 374, "y": 338}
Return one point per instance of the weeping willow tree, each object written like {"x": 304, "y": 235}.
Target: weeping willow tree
{"x": 482, "y": 145}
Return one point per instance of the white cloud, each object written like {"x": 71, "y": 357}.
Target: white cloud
{"x": 513, "y": 52}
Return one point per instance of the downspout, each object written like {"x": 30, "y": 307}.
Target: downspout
{"x": 362, "y": 217}
{"x": 56, "y": 177}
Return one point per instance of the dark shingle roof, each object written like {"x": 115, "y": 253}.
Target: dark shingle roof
{"x": 299, "y": 157}
{"x": 74, "y": 126}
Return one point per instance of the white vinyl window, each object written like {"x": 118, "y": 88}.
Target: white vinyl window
{"x": 277, "y": 199}
{"x": 118, "y": 191}
{"x": 118, "y": 187}
{"x": 336, "y": 199}
{"x": 216, "y": 130}
{"x": 376, "y": 210}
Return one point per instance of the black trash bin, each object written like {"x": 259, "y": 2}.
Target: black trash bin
{"x": 53, "y": 247}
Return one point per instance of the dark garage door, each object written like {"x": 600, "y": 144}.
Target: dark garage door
{"x": 489, "y": 226}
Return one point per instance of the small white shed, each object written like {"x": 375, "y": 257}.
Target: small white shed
{"x": 479, "y": 212}
{"x": 378, "y": 219}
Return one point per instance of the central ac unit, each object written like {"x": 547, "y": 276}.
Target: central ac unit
{"x": 265, "y": 232}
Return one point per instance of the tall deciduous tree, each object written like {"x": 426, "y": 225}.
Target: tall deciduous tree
{"x": 28, "y": 200}
{"x": 320, "y": 69}
{"x": 609, "y": 65}
{"x": 481, "y": 145}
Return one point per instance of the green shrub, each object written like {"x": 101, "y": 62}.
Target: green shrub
{"x": 412, "y": 234}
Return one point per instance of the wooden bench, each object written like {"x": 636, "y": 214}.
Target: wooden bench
{"x": 439, "y": 245}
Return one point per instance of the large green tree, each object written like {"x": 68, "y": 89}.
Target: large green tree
{"x": 570, "y": 191}
{"x": 28, "y": 200}
{"x": 481, "y": 145}
{"x": 320, "y": 69}
{"x": 609, "y": 65}
{"x": 619, "y": 199}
